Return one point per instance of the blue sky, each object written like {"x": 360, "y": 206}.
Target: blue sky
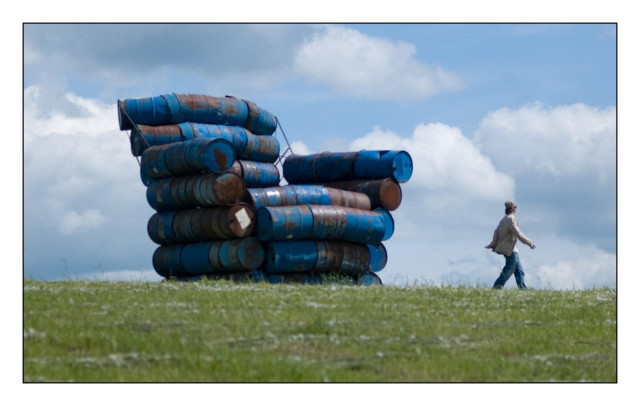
{"x": 489, "y": 112}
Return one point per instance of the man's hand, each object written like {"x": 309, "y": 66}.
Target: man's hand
{"x": 489, "y": 246}
{"x": 533, "y": 246}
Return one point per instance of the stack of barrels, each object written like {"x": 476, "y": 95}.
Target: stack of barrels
{"x": 333, "y": 215}
{"x": 209, "y": 167}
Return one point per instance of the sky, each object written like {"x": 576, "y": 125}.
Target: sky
{"x": 488, "y": 113}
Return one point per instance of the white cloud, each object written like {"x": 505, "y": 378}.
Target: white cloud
{"x": 560, "y": 140}
{"x": 593, "y": 269}
{"x": 444, "y": 161}
{"x": 357, "y": 65}
{"x": 73, "y": 222}
{"x": 47, "y": 113}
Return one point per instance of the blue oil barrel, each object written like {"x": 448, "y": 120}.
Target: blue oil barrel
{"x": 368, "y": 279}
{"x": 236, "y": 255}
{"x": 237, "y": 136}
{"x": 319, "y": 222}
{"x": 179, "y": 108}
{"x": 167, "y": 262}
{"x": 271, "y": 196}
{"x": 284, "y": 223}
{"x": 153, "y": 164}
{"x": 290, "y": 256}
{"x": 298, "y": 169}
{"x": 383, "y": 164}
{"x": 377, "y": 257}
{"x": 330, "y": 166}
{"x": 195, "y": 258}
{"x": 355, "y": 258}
{"x": 364, "y": 226}
{"x": 160, "y": 227}
{"x": 343, "y": 166}
{"x": 329, "y": 222}
{"x": 191, "y": 191}
{"x": 256, "y": 174}
{"x": 389, "y": 225}
{"x": 207, "y": 154}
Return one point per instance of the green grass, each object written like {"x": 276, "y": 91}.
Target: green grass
{"x": 218, "y": 331}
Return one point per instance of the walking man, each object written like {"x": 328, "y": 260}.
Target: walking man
{"x": 504, "y": 242}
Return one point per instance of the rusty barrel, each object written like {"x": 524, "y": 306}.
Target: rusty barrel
{"x": 237, "y": 255}
{"x": 340, "y": 257}
{"x": 201, "y": 258}
{"x": 247, "y": 145}
{"x": 322, "y": 167}
{"x": 167, "y": 261}
{"x": 284, "y": 223}
{"x": 320, "y": 222}
{"x": 191, "y": 191}
{"x": 271, "y": 196}
{"x": 153, "y": 164}
{"x": 143, "y": 137}
{"x": 341, "y": 166}
{"x": 182, "y": 158}
{"x": 385, "y": 193}
{"x": 179, "y": 108}
{"x": 292, "y": 195}
{"x": 383, "y": 164}
{"x": 160, "y": 227}
{"x": 256, "y": 174}
{"x": 202, "y": 224}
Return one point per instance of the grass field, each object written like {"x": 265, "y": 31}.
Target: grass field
{"x": 82, "y": 331}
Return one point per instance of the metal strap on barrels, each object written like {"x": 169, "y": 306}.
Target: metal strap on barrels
{"x": 289, "y": 149}
{"x": 135, "y": 127}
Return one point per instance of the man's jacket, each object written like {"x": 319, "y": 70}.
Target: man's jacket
{"x": 506, "y": 235}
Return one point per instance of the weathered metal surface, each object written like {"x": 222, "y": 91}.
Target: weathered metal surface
{"x": 180, "y": 108}
{"x": 348, "y": 198}
{"x": 256, "y": 174}
{"x": 188, "y": 157}
{"x": 320, "y": 222}
{"x": 338, "y": 257}
{"x": 377, "y": 257}
{"x": 293, "y": 195}
{"x": 184, "y": 260}
{"x": 235, "y": 255}
{"x": 368, "y": 278}
{"x": 341, "y": 166}
{"x": 383, "y": 164}
{"x": 191, "y": 191}
{"x": 385, "y": 193}
{"x": 166, "y": 261}
{"x": 159, "y": 227}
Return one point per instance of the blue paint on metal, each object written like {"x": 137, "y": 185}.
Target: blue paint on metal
{"x": 341, "y": 166}
{"x": 291, "y": 256}
{"x": 195, "y": 258}
{"x": 166, "y": 261}
{"x": 258, "y": 174}
{"x": 179, "y": 108}
{"x": 383, "y": 164}
{"x": 160, "y": 227}
{"x": 310, "y": 222}
{"x": 378, "y": 257}
{"x": 284, "y": 223}
{"x": 369, "y": 279}
{"x": 389, "y": 224}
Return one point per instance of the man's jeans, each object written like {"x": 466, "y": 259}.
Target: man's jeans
{"x": 512, "y": 266}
